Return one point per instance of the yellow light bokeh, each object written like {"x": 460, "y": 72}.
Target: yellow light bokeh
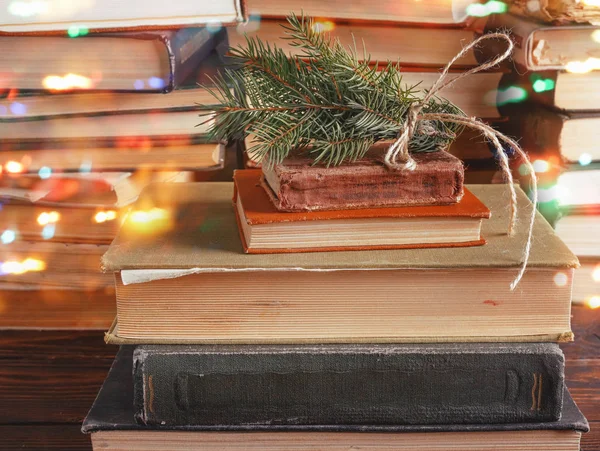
{"x": 14, "y": 167}
{"x": 69, "y": 81}
{"x": 48, "y": 217}
{"x": 28, "y": 265}
{"x": 583, "y": 67}
{"x": 323, "y": 26}
{"x": 595, "y": 3}
{"x": 103, "y": 216}
{"x": 593, "y": 302}
{"x": 144, "y": 217}
{"x": 596, "y": 273}
{"x": 151, "y": 221}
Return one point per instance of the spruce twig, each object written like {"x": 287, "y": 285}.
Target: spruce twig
{"x": 325, "y": 99}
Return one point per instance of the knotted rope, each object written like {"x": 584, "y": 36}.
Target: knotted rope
{"x": 397, "y": 156}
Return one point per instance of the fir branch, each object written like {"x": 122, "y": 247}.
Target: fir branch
{"x": 326, "y": 100}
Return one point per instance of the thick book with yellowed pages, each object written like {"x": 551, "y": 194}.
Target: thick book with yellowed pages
{"x": 182, "y": 277}
{"x": 412, "y": 46}
{"x": 48, "y": 265}
{"x": 399, "y": 11}
{"x": 57, "y": 15}
{"x": 265, "y": 229}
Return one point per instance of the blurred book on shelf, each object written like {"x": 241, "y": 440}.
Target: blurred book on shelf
{"x": 411, "y": 46}
{"x": 53, "y": 15}
{"x": 148, "y": 61}
{"x": 557, "y": 11}
{"x": 541, "y": 47}
{"x": 29, "y": 265}
{"x": 448, "y": 12}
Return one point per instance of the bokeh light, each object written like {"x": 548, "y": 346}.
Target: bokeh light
{"x": 541, "y": 166}
{"x": 28, "y": 8}
{"x": 585, "y": 159}
{"x": 103, "y": 216}
{"x": 323, "y": 26}
{"x": 583, "y": 67}
{"x": 8, "y": 236}
{"x": 593, "y": 302}
{"x": 14, "y": 167}
{"x": 512, "y": 94}
{"x": 48, "y": 231}
{"x": 596, "y": 273}
{"x": 45, "y": 172}
{"x": 560, "y": 279}
{"x": 75, "y": 31}
{"x": 486, "y": 9}
{"x": 543, "y": 84}
{"x": 48, "y": 217}
{"x": 28, "y": 265}
{"x": 67, "y": 82}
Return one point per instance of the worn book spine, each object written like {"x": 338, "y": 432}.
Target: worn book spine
{"x": 298, "y": 185}
{"x": 347, "y": 384}
{"x": 187, "y": 48}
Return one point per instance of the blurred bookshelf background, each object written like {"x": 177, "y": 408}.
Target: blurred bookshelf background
{"x": 86, "y": 122}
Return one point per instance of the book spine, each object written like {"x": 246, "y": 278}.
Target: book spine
{"x": 306, "y": 188}
{"x": 336, "y": 384}
{"x": 187, "y": 48}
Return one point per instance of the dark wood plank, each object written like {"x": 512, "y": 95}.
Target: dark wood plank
{"x": 50, "y": 437}
{"x": 60, "y": 309}
{"x": 53, "y": 344}
{"x": 53, "y": 379}
{"x": 583, "y": 380}
{"x": 585, "y": 323}
{"x": 591, "y": 440}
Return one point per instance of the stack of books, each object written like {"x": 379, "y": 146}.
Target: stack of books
{"x": 309, "y": 342}
{"x": 96, "y": 101}
{"x": 553, "y": 98}
{"x": 423, "y": 36}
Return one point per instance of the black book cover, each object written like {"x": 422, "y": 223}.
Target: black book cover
{"x": 348, "y": 384}
{"x": 114, "y": 410}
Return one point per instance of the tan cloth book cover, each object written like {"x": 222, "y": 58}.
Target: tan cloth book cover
{"x": 203, "y": 233}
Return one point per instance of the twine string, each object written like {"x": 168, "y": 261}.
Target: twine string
{"x": 398, "y": 157}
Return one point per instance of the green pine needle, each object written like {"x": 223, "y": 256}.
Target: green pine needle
{"x": 326, "y": 100}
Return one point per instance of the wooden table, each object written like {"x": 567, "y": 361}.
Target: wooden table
{"x": 49, "y": 378}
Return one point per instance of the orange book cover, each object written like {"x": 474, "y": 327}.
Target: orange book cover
{"x": 258, "y": 209}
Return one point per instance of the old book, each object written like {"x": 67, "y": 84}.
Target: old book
{"x": 265, "y": 229}
{"x": 48, "y": 265}
{"x": 403, "y": 11}
{"x": 578, "y": 187}
{"x": 59, "y": 223}
{"x": 586, "y": 282}
{"x": 542, "y": 132}
{"x": 579, "y": 230}
{"x": 144, "y": 61}
{"x": 412, "y": 46}
{"x": 84, "y": 189}
{"x": 112, "y": 427}
{"x": 543, "y": 47}
{"x": 143, "y": 126}
{"x": 559, "y": 90}
{"x": 190, "y": 281}
{"x": 177, "y": 153}
{"x": 347, "y": 384}
{"x": 557, "y": 11}
{"x": 31, "y": 105}
{"x": 296, "y": 184}
{"x": 56, "y": 16}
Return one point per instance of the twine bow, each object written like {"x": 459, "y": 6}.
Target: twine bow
{"x": 397, "y": 156}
